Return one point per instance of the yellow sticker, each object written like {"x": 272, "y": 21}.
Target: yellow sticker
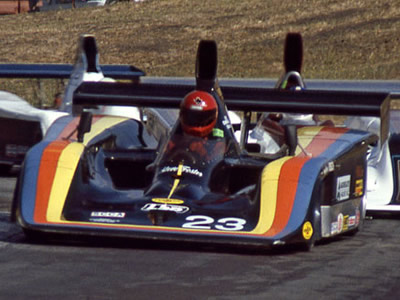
{"x": 307, "y": 230}
{"x": 167, "y": 200}
{"x": 346, "y": 222}
{"x": 359, "y": 187}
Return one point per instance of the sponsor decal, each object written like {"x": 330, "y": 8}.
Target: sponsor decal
{"x": 165, "y": 207}
{"x": 359, "y": 171}
{"x": 167, "y": 200}
{"x": 359, "y": 188}
{"x": 346, "y": 222}
{"x": 226, "y": 122}
{"x": 307, "y": 230}
{"x": 185, "y": 169}
{"x": 199, "y": 104}
{"x": 340, "y": 222}
{"x": 334, "y": 227}
{"x": 330, "y": 167}
{"x": 352, "y": 221}
{"x": 218, "y": 132}
{"x": 357, "y": 216}
{"x": 107, "y": 214}
{"x": 343, "y": 188}
{"x": 104, "y": 220}
{"x": 195, "y": 107}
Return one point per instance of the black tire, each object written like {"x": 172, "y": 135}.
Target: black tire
{"x": 308, "y": 245}
{"x": 316, "y": 227}
{"x": 36, "y": 237}
{"x": 14, "y": 203}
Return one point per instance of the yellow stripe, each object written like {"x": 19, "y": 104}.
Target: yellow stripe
{"x": 305, "y": 135}
{"x": 176, "y": 181}
{"x": 67, "y": 165}
{"x": 269, "y": 194}
{"x": 101, "y": 125}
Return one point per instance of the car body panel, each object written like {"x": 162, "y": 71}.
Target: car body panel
{"x": 287, "y": 186}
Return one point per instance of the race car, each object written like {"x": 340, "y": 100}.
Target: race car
{"x": 190, "y": 179}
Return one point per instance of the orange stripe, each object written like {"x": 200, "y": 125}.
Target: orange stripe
{"x": 47, "y": 170}
{"x": 71, "y": 127}
{"x": 290, "y": 173}
{"x": 287, "y": 188}
{"x": 68, "y": 129}
{"x": 324, "y": 138}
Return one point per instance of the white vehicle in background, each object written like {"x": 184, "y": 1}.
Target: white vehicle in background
{"x": 67, "y": 4}
{"x": 23, "y": 125}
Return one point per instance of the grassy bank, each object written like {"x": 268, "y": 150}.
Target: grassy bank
{"x": 342, "y": 38}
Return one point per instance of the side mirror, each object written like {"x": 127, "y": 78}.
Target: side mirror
{"x": 85, "y": 125}
{"x": 291, "y": 138}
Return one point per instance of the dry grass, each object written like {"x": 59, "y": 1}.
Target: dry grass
{"x": 342, "y": 38}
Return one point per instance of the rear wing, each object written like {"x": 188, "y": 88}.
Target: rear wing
{"x": 60, "y": 71}
{"x": 86, "y": 61}
{"x": 247, "y": 99}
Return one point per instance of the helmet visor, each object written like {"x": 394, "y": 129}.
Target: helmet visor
{"x": 200, "y": 118}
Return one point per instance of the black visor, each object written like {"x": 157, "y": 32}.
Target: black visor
{"x": 197, "y": 118}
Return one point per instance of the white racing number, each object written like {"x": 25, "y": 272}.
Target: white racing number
{"x": 230, "y": 224}
{"x": 205, "y": 222}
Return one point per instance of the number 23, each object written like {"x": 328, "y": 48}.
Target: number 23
{"x": 205, "y": 222}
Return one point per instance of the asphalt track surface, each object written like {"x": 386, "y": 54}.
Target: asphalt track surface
{"x": 364, "y": 266}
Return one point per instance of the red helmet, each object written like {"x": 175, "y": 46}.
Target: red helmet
{"x": 198, "y": 113}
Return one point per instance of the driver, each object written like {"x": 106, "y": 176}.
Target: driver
{"x": 198, "y": 113}
{"x": 198, "y": 116}
{"x": 269, "y": 131}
